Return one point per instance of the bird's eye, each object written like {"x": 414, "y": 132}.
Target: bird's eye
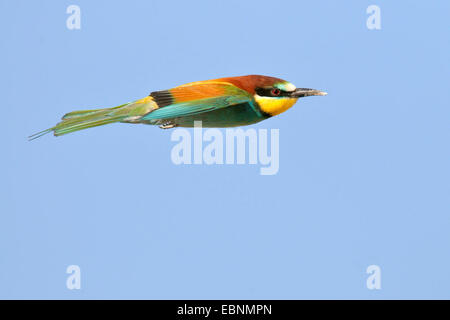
{"x": 275, "y": 92}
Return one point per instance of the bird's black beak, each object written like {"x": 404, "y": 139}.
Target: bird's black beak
{"x": 305, "y": 92}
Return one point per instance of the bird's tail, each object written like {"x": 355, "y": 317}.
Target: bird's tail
{"x": 83, "y": 119}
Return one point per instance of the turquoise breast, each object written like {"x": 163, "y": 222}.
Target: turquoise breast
{"x": 233, "y": 116}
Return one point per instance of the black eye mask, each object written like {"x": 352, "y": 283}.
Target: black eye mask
{"x": 268, "y": 92}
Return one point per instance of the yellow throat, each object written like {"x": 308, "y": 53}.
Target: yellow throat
{"x": 274, "y": 106}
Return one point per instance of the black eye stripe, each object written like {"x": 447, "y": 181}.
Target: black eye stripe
{"x": 271, "y": 92}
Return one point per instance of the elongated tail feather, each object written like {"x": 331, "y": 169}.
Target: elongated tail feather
{"x": 39, "y": 134}
{"x": 80, "y": 113}
{"x": 83, "y": 119}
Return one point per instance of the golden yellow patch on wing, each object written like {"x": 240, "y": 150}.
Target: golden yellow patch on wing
{"x": 196, "y": 83}
{"x": 199, "y": 90}
{"x": 274, "y": 106}
{"x": 147, "y": 99}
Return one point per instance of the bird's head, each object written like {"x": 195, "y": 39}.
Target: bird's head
{"x": 274, "y": 95}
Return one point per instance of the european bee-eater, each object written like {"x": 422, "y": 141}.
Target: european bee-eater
{"x": 225, "y": 102}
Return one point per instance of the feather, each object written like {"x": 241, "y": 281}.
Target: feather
{"x": 196, "y": 98}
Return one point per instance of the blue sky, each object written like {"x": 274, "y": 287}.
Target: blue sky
{"x": 364, "y": 173}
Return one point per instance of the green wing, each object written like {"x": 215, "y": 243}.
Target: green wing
{"x": 196, "y": 98}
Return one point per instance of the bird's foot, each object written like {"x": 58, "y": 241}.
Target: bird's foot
{"x": 168, "y": 125}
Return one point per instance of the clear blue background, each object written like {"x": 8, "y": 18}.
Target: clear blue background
{"x": 364, "y": 172}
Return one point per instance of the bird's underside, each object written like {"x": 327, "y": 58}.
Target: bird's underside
{"x": 238, "y": 115}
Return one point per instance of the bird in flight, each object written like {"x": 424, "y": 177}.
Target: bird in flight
{"x": 219, "y": 103}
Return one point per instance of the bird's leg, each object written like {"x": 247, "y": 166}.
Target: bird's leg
{"x": 168, "y": 125}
